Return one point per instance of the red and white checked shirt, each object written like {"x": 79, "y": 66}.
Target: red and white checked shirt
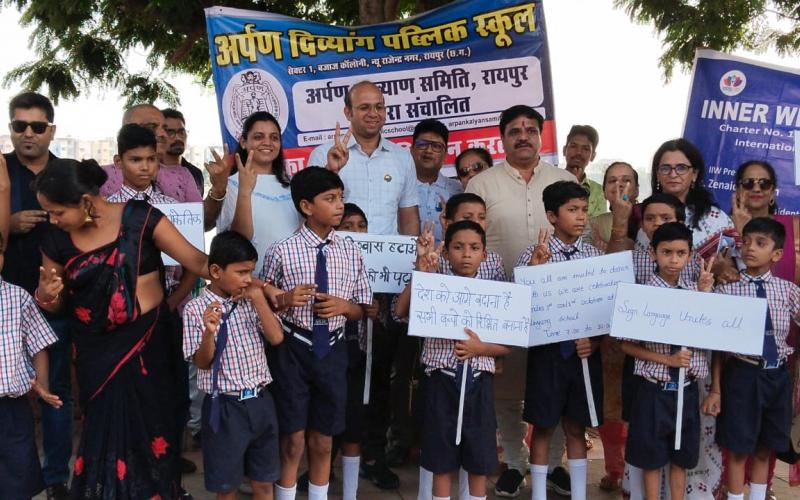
{"x": 783, "y": 300}
{"x": 490, "y": 268}
{"x": 150, "y": 195}
{"x": 244, "y": 362}
{"x": 23, "y": 333}
{"x": 558, "y": 250}
{"x": 293, "y": 261}
{"x": 698, "y": 364}
{"x": 644, "y": 267}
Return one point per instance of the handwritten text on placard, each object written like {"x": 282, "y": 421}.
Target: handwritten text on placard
{"x": 442, "y": 306}
{"x": 389, "y": 259}
{"x": 573, "y": 299}
{"x": 188, "y": 219}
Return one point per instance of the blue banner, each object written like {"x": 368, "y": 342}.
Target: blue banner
{"x": 462, "y": 63}
{"x": 740, "y": 110}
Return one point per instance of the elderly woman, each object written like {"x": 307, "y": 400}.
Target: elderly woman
{"x": 618, "y": 178}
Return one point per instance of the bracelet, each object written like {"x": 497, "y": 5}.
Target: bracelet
{"x": 211, "y": 195}
{"x": 43, "y": 302}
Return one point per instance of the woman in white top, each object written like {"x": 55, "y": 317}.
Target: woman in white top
{"x": 258, "y": 203}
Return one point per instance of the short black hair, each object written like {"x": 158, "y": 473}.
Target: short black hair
{"x": 671, "y": 231}
{"x": 28, "y": 100}
{"x": 586, "y": 130}
{"x": 559, "y": 193}
{"x": 666, "y": 199}
{"x": 433, "y": 126}
{"x": 770, "y": 228}
{"x": 463, "y": 225}
{"x": 133, "y": 136}
{"x": 351, "y": 209}
{"x": 485, "y": 156}
{"x": 515, "y": 112}
{"x": 459, "y": 199}
{"x": 614, "y": 164}
{"x": 230, "y": 247}
{"x": 311, "y": 181}
{"x": 173, "y": 113}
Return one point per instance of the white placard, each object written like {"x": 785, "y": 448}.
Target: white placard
{"x": 188, "y": 219}
{"x": 389, "y": 259}
{"x": 442, "y": 306}
{"x": 574, "y": 299}
{"x": 694, "y": 319}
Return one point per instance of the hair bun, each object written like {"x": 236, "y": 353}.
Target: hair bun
{"x": 91, "y": 173}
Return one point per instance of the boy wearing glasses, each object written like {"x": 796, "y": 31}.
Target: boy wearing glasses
{"x": 429, "y": 149}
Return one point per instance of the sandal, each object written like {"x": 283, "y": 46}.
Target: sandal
{"x": 607, "y": 483}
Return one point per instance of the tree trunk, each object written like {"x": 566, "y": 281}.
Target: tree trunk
{"x": 371, "y": 11}
{"x": 426, "y": 5}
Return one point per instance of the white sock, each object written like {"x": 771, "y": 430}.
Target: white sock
{"x": 350, "y": 477}
{"x": 282, "y": 493}
{"x": 425, "y": 491}
{"x": 440, "y": 498}
{"x": 577, "y": 477}
{"x": 538, "y": 482}
{"x": 636, "y": 482}
{"x": 476, "y": 498}
{"x": 758, "y": 491}
{"x": 463, "y": 483}
{"x": 731, "y": 496}
{"x": 317, "y": 492}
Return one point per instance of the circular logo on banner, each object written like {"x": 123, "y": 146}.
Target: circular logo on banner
{"x": 732, "y": 82}
{"x": 250, "y": 91}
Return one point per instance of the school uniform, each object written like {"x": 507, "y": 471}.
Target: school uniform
{"x": 756, "y": 390}
{"x": 311, "y": 376}
{"x": 651, "y": 424}
{"x": 490, "y": 268}
{"x": 355, "y": 335}
{"x": 23, "y": 333}
{"x": 554, "y": 385}
{"x": 239, "y": 424}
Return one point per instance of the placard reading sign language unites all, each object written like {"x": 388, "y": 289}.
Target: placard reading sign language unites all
{"x": 389, "y": 259}
{"x": 573, "y": 299}
{"x": 188, "y": 219}
{"x": 442, "y": 306}
{"x": 694, "y": 319}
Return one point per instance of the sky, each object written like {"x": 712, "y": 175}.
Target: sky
{"x": 605, "y": 73}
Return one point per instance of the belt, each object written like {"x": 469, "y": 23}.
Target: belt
{"x": 452, "y": 373}
{"x": 669, "y": 385}
{"x": 248, "y": 393}
{"x": 761, "y": 362}
{"x": 304, "y": 335}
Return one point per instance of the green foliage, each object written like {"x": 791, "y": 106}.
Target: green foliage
{"x": 723, "y": 25}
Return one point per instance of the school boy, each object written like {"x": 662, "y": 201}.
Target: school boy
{"x": 470, "y": 206}
{"x": 756, "y": 412}
{"x": 326, "y": 285}
{"x": 24, "y": 335}
{"x": 465, "y": 246}
{"x": 651, "y": 425}
{"x": 222, "y": 336}
{"x": 555, "y": 389}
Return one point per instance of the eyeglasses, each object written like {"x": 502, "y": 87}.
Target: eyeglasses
{"x": 436, "y": 147}
{"x": 20, "y": 126}
{"x": 172, "y": 132}
{"x": 680, "y": 169}
{"x": 763, "y": 184}
{"x": 478, "y": 166}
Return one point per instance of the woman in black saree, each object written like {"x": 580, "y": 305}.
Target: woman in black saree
{"x": 108, "y": 257}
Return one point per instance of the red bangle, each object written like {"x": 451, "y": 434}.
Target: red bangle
{"x": 42, "y": 302}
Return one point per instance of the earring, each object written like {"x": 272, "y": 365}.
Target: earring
{"x": 658, "y": 186}
{"x": 772, "y": 202}
{"x": 88, "y": 218}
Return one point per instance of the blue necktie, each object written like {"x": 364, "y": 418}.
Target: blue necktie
{"x": 770, "y": 349}
{"x": 222, "y": 341}
{"x": 320, "y": 336}
{"x": 567, "y": 347}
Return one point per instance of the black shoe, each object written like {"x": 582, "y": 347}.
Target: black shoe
{"x": 396, "y": 456}
{"x": 57, "y": 491}
{"x": 185, "y": 495}
{"x": 187, "y": 466}
{"x": 380, "y": 475}
{"x": 509, "y": 484}
{"x": 558, "y": 481}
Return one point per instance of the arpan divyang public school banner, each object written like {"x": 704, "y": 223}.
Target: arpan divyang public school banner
{"x": 462, "y": 64}
{"x": 740, "y": 110}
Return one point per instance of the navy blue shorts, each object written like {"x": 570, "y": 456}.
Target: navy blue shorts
{"x": 651, "y": 428}
{"x": 554, "y": 387}
{"x": 756, "y": 408}
{"x": 20, "y": 472}
{"x": 310, "y": 393}
{"x": 246, "y": 443}
{"x": 628, "y": 386}
{"x": 477, "y": 453}
{"x": 354, "y": 412}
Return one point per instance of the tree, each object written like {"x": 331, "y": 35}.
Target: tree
{"x": 717, "y": 24}
{"x": 83, "y": 43}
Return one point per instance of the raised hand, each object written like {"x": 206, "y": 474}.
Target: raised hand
{"x": 429, "y": 263}
{"x": 247, "y": 175}
{"x": 705, "y": 283}
{"x": 339, "y": 154}
{"x": 50, "y": 285}
{"x": 739, "y": 214}
{"x": 622, "y": 207}
{"x": 541, "y": 252}
{"x": 212, "y": 317}
{"x": 219, "y": 170}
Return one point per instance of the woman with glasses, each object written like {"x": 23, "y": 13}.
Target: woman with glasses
{"x": 470, "y": 163}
